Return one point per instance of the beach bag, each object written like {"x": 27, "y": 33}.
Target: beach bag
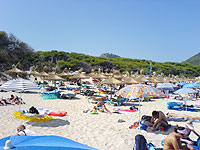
{"x": 146, "y": 118}
{"x": 33, "y": 110}
{"x": 140, "y": 143}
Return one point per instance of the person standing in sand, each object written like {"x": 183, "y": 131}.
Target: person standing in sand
{"x": 158, "y": 120}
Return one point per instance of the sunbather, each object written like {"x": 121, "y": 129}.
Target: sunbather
{"x": 158, "y": 120}
{"x": 186, "y": 139}
{"x": 182, "y": 116}
{"x": 22, "y": 131}
{"x": 6, "y": 101}
{"x": 101, "y": 106}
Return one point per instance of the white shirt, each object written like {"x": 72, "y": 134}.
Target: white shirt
{"x": 27, "y": 132}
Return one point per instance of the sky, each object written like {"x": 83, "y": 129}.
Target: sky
{"x": 157, "y": 30}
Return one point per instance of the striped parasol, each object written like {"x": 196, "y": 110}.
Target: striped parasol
{"x": 136, "y": 91}
{"x": 19, "y": 85}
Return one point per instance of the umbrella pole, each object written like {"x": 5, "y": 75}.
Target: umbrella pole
{"x": 111, "y": 93}
{"x": 139, "y": 113}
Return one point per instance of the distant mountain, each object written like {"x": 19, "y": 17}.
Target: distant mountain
{"x": 194, "y": 60}
{"x": 107, "y": 55}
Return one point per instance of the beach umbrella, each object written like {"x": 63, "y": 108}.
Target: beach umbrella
{"x": 137, "y": 90}
{"x": 140, "y": 79}
{"x": 41, "y": 143}
{"x": 110, "y": 81}
{"x": 185, "y": 91}
{"x": 43, "y": 74}
{"x": 65, "y": 74}
{"x": 14, "y": 71}
{"x": 21, "y": 85}
{"x": 54, "y": 77}
{"x": 99, "y": 76}
{"x": 191, "y": 85}
{"x": 130, "y": 80}
{"x": 79, "y": 76}
{"x": 166, "y": 86}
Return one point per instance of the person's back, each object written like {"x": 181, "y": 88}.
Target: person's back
{"x": 164, "y": 118}
{"x": 173, "y": 140}
{"x": 169, "y": 142}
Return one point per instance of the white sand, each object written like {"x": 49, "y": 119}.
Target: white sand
{"x": 101, "y": 131}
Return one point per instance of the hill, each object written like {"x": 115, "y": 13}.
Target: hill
{"x": 12, "y": 51}
{"x": 194, "y": 60}
{"x": 107, "y": 55}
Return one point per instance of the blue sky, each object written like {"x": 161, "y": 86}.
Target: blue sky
{"x": 158, "y": 30}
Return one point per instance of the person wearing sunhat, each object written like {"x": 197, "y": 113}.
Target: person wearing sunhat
{"x": 173, "y": 140}
{"x": 186, "y": 139}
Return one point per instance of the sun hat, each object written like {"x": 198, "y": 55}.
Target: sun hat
{"x": 190, "y": 126}
{"x": 184, "y": 131}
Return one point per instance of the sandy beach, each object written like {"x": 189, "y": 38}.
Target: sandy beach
{"x": 101, "y": 131}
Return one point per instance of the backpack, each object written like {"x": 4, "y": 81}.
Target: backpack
{"x": 146, "y": 118}
{"x": 140, "y": 143}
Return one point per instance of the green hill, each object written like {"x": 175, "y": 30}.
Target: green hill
{"x": 13, "y": 51}
{"x": 194, "y": 60}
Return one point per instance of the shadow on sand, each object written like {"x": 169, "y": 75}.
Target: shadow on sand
{"x": 171, "y": 129}
{"x": 52, "y": 123}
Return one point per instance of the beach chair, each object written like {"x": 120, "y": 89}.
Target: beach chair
{"x": 118, "y": 103}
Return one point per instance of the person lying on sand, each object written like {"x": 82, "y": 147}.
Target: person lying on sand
{"x": 158, "y": 120}
{"x": 6, "y": 101}
{"x": 182, "y": 116}
{"x": 22, "y": 131}
{"x": 173, "y": 140}
{"x": 18, "y": 100}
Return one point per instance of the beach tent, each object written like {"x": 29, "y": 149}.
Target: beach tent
{"x": 41, "y": 143}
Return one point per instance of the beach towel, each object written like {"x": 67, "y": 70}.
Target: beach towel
{"x": 123, "y": 111}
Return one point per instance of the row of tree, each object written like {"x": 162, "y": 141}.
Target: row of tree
{"x": 12, "y": 51}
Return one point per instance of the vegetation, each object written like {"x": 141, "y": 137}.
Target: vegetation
{"x": 107, "y": 55}
{"x": 13, "y": 51}
{"x": 194, "y": 60}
